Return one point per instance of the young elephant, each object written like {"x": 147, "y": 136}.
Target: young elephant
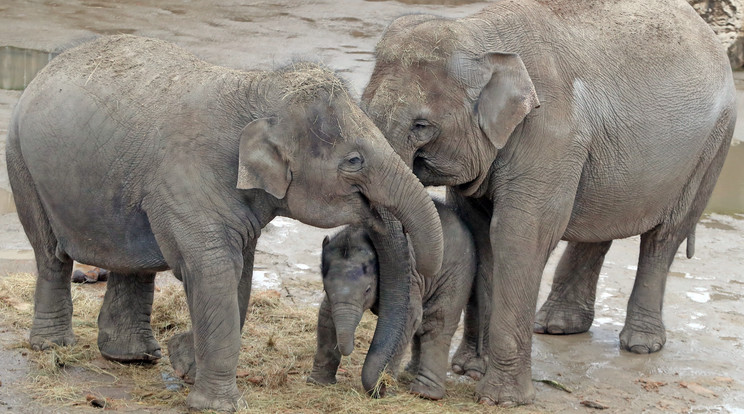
{"x": 350, "y": 273}
{"x": 192, "y": 161}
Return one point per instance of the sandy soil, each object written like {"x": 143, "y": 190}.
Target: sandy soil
{"x": 699, "y": 370}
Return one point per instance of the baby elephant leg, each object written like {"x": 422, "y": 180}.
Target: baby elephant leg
{"x": 327, "y": 355}
{"x": 433, "y": 343}
{"x": 124, "y": 331}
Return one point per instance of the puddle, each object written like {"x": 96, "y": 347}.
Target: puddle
{"x": 263, "y": 280}
{"x": 700, "y": 295}
{"x": 728, "y": 196}
{"x": 18, "y": 66}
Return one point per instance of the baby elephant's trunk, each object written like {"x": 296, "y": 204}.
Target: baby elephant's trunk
{"x": 346, "y": 318}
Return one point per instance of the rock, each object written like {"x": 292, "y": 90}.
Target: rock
{"x": 725, "y": 17}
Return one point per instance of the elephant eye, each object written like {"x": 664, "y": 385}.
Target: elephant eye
{"x": 422, "y": 131}
{"x": 368, "y": 289}
{"x": 352, "y": 162}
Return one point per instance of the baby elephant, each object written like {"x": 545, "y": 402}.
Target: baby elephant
{"x": 349, "y": 268}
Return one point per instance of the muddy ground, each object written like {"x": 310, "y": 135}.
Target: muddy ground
{"x": 699, "y": 370}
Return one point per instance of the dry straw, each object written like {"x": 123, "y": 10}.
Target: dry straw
{"x": 276, "y": 357}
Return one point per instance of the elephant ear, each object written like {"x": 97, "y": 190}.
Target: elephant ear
{"x": 507, "y": 97}
{"x": 262, "y": 163}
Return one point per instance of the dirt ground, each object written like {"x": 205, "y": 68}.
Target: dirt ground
{"x": 700, "y": 368}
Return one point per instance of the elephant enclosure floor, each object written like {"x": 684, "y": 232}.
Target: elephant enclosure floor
{"x": 699, "y": 370}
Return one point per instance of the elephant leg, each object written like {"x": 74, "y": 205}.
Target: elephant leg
{"x": 52, "y": 323}
{"x": 470, "y": 357}
{"x": 439, "y": 326}
{"x": 644, "y": 330}
{"x": 522, "y": 238}
{"x": 327, "y": 355}
{"x": 570, "y": 305}
{"x": 124, "y": 330}
{"x": 181, "y": 346}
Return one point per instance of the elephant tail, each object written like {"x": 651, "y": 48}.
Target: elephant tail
{"x": 691, "y": 243}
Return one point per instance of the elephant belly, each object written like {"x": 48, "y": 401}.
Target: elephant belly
{"x": 109, "y": 238}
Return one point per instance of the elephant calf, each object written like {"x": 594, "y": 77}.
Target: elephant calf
{"x": 349, "y": 268}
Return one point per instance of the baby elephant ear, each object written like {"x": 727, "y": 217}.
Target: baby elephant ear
{"x": 262, "y": 163}
{"x": 507, "y": 97}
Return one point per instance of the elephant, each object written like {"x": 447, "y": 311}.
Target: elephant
{"x": 192, "y": 161}
{"x": 350, "y": 274}
{"x": 556, "y": 120}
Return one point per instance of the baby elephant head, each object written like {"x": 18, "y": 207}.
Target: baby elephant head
{"x": 349, "y": 268}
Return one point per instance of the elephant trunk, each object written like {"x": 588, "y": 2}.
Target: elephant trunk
{"x": 345, "y": 319}
{"x": 394, "y": 265}
{"x": 398, "y": 190}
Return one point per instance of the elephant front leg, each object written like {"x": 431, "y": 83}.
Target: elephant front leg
{"x": 570, "y": 305}
{"x": 181, "y": 346}
{"x": 327, "y": 355}
{"x": 124, "y": 330}
{"x": 215, "y": 316}
{"x": 520, "y": 252}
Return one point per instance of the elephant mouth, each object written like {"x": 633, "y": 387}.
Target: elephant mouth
{"x": 425, "y": 169}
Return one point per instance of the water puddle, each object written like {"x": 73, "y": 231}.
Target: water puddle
{"x": 265, "y": 280}
{"x": 18, "y": 66}
{"x": 700, "y": 295}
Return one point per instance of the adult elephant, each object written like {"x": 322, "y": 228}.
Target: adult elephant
{"x": 192, "y": 160}
{"x": 553, "y": 120}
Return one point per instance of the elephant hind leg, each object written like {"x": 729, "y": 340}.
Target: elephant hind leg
{"x": 570, "y": 305}
{"x": 644, "y": 330}
{"x": 124, "y": 331}
{"x": 52, "y": 322}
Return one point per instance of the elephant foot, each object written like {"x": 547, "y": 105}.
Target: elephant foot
{"x": 321, "y": 378}
{"x": 40, "y": 342}
{"x": 563, "y": 318}
{"x": 229, "y": 401}
{"x": 467, "y": 362}
{"x": 643, "y": 333}
{"x": 47, "y": 332}
{"x": 425, "y": 388}
{"x": 500, "y": 388}
{"x": 182, "y": 356}
{"x": 142, "y": 347}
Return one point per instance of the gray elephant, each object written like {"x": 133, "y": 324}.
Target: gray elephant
{"x": 192, "y": 161}
{"x": 349, "y": 269}
{"x": 552, "y": 120}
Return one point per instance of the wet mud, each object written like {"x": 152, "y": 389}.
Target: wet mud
{"x": 697, "y": 371}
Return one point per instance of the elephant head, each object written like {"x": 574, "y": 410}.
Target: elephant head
{"x": 446, "y": 106}
{"x": 349, "y": 269}
{"x": 330, "y": 164}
